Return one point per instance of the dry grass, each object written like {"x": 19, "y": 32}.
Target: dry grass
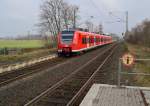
{"x": 141, "y": 66}
{"x": 11, "y": 59}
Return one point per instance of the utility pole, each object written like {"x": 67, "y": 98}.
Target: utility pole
{"x": 126, "y": 24}
{"x": 74, "y": 18}
{"x": 125, "y": 21}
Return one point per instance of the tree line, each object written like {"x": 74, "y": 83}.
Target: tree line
{"x": 140, "y": 34}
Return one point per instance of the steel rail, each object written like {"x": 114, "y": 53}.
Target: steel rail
{"x": 26, "y": 74}
{"x": 19, "y": 77}
{"x": 74, "y": 99}
{"x": 58, "y": 84}
{"x": 15, "y": 78}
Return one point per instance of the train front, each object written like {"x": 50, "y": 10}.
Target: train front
{"x": 65, "y": 39}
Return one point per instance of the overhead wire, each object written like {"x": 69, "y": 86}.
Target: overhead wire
{"x": 97, "y": 8}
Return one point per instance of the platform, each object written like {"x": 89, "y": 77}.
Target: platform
{"x": 111, "y": 95}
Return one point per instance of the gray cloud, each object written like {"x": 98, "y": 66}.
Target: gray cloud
{"x": 19, "y": 16}
{"x": 138, "y": 11}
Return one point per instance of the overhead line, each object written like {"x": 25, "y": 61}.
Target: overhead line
{"x": 97, "y": 9}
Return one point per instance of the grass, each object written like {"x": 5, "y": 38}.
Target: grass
{"x": 32, "y": 50}
{"x": 11, "y": 59}
{"x": 141, "y": 66}
{"x": 21, "y": 44}
{"x": 139, "y": 51}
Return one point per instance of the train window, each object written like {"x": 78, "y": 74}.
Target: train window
{"x": 67, "y": 36}
{"x": 92, "y": 40}
{"x": 95, "y": 40}
{"x": 84, "y": 40}
{"x": 89, "y": 40}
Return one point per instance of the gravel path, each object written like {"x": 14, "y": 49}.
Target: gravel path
{"x": 21, "y": 91}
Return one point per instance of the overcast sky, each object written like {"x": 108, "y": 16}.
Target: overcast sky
{"x": 18, "y": 17}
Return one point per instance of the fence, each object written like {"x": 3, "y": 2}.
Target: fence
{"x": 121, "y": 72}
{"x": 10, "y": 51}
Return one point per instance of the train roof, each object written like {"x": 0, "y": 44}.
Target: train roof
{"x": 95, "y": 34}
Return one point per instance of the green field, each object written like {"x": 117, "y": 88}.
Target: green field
{"x": 21, "y": 43}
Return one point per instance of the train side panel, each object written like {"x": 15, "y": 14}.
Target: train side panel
{"x": 78, "y": 41}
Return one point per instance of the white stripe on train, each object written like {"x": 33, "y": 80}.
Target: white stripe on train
{"x": 84, "y": 48}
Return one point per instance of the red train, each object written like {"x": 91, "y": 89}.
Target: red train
{"x": 70, "y": 42}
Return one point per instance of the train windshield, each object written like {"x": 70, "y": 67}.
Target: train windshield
{"x": 67, "y": 36}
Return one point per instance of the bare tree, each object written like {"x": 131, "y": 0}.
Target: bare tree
{"x": 140, "y": 34}
{"x": 98, "y": 29}
{"x": 55, "y": 16}
{"x": 68, "y": 15}
{"x": 89, "y": 25}
{"x": 94, "y": 28}
{"x": 50, "y": 16}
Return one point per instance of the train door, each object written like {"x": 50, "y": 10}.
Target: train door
{"x": 90, "y": 41}
{"x": 87, "y": 41}
{"x": 94, "y": 40}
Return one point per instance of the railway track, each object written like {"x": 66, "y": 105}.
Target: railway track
{"x": 14, "y": 75}
{"x": 71, "y": 90}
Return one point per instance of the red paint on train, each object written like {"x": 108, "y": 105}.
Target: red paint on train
{"x": 77, "y": 41}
